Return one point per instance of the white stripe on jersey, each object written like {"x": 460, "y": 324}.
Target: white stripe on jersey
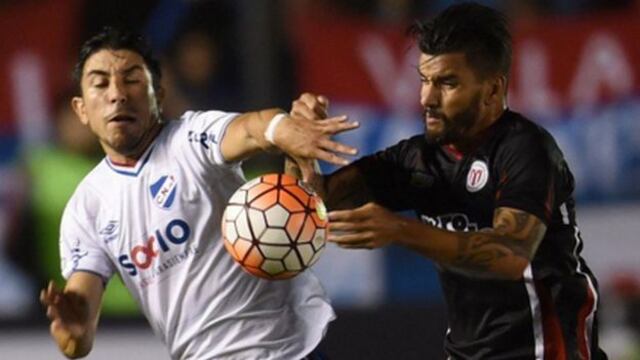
{"x": 536, "y": 312}
{"x": 588, "y": 329}
{"x": 565, "y": 214}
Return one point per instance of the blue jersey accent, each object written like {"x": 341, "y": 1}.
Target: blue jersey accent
{"x": 133, "y": 173}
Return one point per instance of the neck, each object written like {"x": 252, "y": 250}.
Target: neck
{"x": 479, "y": 132}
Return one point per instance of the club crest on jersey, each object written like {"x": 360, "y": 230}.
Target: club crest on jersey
{"x": 478, "y": 176}
{"x": 164, "y": 191}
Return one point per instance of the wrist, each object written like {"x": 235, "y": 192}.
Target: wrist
{"x": 270, "y": 131}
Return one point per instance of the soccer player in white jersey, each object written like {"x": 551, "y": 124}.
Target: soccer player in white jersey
{"x": 151, "y": 212}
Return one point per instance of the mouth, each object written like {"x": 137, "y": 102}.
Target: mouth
{"x": 122, "y": 118}
{"x": 431, "y": 117}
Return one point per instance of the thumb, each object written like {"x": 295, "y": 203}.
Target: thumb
{"x": 323, "y": 100}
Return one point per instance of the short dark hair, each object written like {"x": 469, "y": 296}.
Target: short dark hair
{"x": 480, "y": 32}
{"x": 117, "y": 39}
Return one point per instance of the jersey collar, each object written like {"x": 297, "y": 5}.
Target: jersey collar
{"x": 131, "y": 170}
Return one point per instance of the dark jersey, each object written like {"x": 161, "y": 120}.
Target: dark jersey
{"x": 550, "y": 312}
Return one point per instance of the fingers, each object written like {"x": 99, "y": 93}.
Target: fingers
{"x": 53, "y": 313}
{"x": 344, "y": 226}
{"x": 329, "y": 157}
{"x": 353, "y": 240}
{"x": 319, "y": 105}
{"x": 50, "y": 294}
{"x": 50, "y": 298}
{"x": 301, "y": 109}
{"x": 323, "y": 100}
{"x": 62, "y": 337}
{"x": 347, "y": 216}
{"x": 337, "y": 147}
{"x": 338, "y": 124}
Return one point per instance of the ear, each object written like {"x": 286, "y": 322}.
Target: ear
{"x": 160, "y": 94}
{"x": 496, "y": 89}
{"x": 159, "y": 98}
{"x": 78, "y": 106}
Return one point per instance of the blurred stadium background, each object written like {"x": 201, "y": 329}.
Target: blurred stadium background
{"x": 576, "y": 70}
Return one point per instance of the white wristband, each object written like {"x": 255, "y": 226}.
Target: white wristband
{"x": 271, "y": 128}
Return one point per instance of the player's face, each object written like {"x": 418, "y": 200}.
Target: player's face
{"x": 451, "y": 96}
{"x": 118, "y": 103}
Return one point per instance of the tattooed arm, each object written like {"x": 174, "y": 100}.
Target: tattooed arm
{"x": 501, "y": 252}
{"x": 506, "y": 249}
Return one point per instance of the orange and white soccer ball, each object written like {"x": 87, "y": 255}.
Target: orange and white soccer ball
{"x": 274, "y": 227}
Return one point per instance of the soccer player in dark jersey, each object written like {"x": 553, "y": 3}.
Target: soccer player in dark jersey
{"x": 494, "y": 196}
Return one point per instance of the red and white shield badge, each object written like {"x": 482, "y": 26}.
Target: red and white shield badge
{"x": 477, "y": 176}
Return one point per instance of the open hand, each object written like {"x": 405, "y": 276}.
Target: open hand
{"x": 314, "y": 109}
{"x": 301, "y": 138}
{"x": 369, "y": 226}
{"x": 68, "y": 316}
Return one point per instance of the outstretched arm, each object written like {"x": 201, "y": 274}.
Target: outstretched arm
{"x": 504, "y": 251}
{"x": 342, "y": 189}
{"x": 74, "y": 312}
{"x": 292, "y": 134}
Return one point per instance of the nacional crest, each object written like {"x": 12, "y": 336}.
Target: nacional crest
{"x": 478, "y": 176}
{"x": 164, "y": 191}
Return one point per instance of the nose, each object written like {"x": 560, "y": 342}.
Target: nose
{"x": 117, "y": 93}
{"x": 429, "y": 96}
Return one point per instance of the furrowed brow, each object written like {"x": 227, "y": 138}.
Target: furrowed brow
{"x": 97, "y": 72}
{"x": 132, "y": 69}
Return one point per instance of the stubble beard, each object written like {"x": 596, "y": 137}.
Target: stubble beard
{"x": 454, "y": 129}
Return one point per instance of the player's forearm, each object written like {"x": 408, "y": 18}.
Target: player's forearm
{"x": 482, "y": 254}
{"x": 246, "y": 135}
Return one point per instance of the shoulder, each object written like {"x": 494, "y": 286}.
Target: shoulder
{"x": 195, "y": 119}
{"x": 409, "y": 147}
{"x": 522, "y": 141}
{"x": 522, "y": 134}
{"x": 199, "y": 132}
{"x": 85, "y": 200}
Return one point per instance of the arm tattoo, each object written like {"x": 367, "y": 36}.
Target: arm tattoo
{"x": 517, "y": 224}
{"x": 515, "y": 233}
{"x": 478, "y": 251}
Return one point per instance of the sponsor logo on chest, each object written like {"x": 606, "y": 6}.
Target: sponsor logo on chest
{"x": 166, "y": 248}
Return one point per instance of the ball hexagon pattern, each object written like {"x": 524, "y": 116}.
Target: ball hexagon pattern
{"x": 274, "y": 227}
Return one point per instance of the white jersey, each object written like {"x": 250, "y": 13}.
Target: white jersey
{"x": 158, "y": 224}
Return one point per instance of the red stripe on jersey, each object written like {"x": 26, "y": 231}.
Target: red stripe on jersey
{"x": 454, "y": 152}
{"x": 583, "y": 314}
{"x": 548, "y": 204}
{"x": 123, "y": 164}
{"x": 554, "y": 347}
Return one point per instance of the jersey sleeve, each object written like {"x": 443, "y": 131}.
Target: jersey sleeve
{"x": 526, "y": 175}
{"x": 387, "y": 174}
{"x": 203, "y": 131}
{"x": 80, "y": 248}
